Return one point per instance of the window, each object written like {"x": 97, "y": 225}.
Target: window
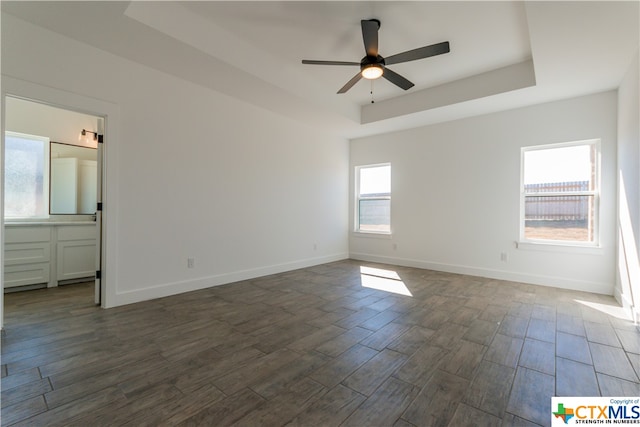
{"x": 373, "y": 204}
{"x": 560, "y": 193}
{"x": 26, "y": 183}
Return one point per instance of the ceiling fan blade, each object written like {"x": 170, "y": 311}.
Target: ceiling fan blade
{"x": 350, "y": 83}
{"x": 419, "y": 53}
{"x": 370, "y": 36}
{"x": 314, "y": 62}
{"x": 397, "y": 79}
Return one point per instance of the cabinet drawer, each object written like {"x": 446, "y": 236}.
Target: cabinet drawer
{"x": 27, "y": 234}
{"x": 76, "y": 232}
{"x": 26, "y": 253}
{"x": 28, "y": 274}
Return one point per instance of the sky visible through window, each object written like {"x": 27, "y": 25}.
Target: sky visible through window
{"x": 375, "y": 180}
{"x": 566, "y": 164}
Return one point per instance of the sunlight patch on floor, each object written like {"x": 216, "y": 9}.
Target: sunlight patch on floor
{"x": 610, "y": 310}
{"x": 383, "y": 280}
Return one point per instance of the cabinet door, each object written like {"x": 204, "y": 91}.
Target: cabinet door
{"x": 76, "y": 248}
{"x": 76, "y": 259}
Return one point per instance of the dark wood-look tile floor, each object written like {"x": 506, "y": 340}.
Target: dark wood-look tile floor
{"x": 314, "y": 347}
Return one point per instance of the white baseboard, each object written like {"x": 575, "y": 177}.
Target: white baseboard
{"x": 534, "y": 279}
{"x": 174, "y": 288}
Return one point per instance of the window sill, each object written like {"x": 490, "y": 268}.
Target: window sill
{"x": 371, "y": 234}
{"x": 559, "y": 247}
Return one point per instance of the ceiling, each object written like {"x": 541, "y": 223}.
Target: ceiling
{"x": 503, "y": 54}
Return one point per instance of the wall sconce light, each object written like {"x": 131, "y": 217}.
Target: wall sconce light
{"x": 83, "y": 135}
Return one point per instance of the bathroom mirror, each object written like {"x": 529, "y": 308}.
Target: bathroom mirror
{"x": 73, "y": 179}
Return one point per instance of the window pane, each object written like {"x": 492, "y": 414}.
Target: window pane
{"x": 25, "y": 177}
{"x": 560, "y": 169}
{"x": 571, "y": 168}
{"x": 375, "y": 181}
{"x": 558, "y": 187}
{"x": 560, "y": 218}
{"x": 375, "y": 215}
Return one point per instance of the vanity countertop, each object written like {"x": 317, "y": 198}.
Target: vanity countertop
{"x": 45, "y": 223}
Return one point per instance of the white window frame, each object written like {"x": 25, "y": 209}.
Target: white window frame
{"x": 595, "y": 193}
{"x": 358, "y": 199}
{"x": 45, "y": 171}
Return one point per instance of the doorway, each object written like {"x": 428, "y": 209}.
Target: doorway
{"x": 67, "y": 240}
{"x": 51, "y": 192}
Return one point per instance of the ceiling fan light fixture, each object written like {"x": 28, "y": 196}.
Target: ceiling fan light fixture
{"x": 372, "y": 71}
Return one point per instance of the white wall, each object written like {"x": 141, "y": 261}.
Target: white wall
{"x": 455, "y": 194}
{"x": 193, "y": 173}
{"x": 44, "y": 120}
{"x": 628, "y": 272}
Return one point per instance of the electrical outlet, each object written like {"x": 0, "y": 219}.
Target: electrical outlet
{"x": 395, "y": 246}
{"x": 504, "y": 257}
{"x": 315, "y": 246}
{"x": 191, "y": 262}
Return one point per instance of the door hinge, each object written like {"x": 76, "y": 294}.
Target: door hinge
{"x": 100, "y": 139}
{"x": 98, "y": 275}
{"x": 99, "y": 207}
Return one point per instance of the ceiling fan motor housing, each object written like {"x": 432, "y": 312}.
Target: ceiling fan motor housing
{"x": 368, "y": 60}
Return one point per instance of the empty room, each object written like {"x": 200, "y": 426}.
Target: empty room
{"x": 367, "y": 213}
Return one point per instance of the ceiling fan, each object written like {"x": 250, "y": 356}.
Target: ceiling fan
{"x": 373, "y": 66}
